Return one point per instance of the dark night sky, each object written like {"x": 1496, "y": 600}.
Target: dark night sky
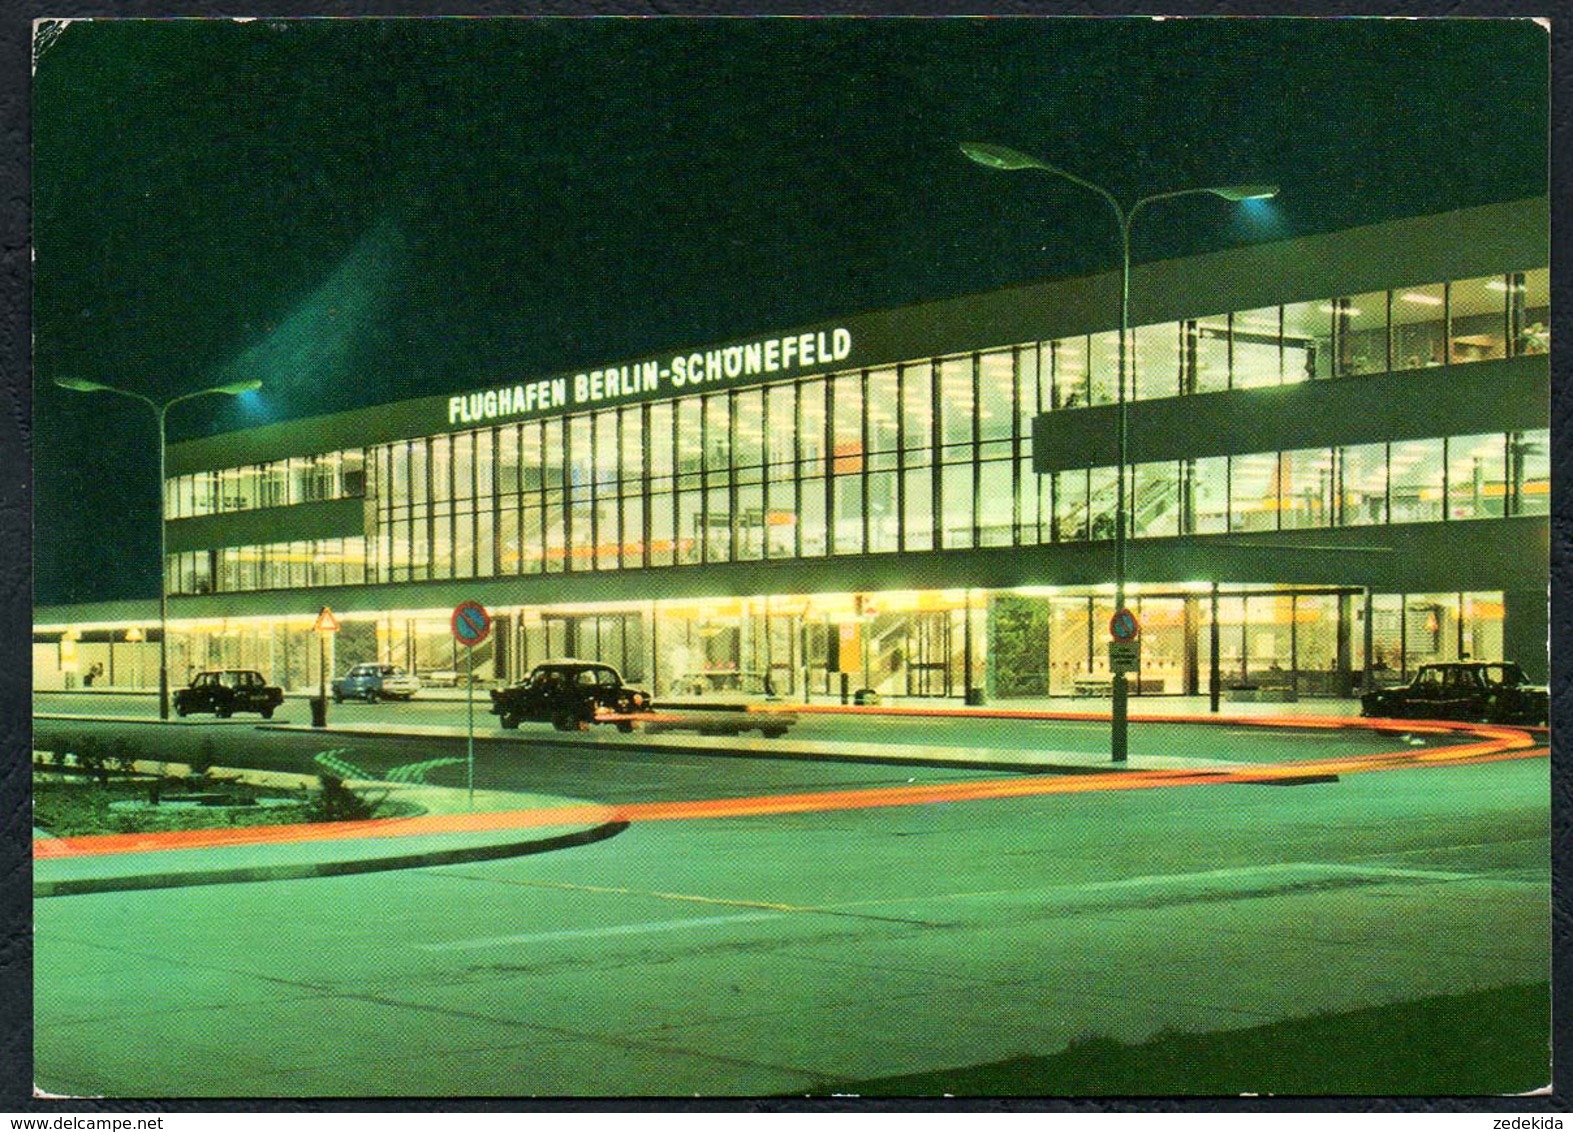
{"x": 363, "y": 211}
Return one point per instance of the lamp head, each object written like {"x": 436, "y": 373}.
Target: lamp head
{"x": 81, "y": 385}
{"x": 999, "y": 156}
{"x": 235, "y": 388}
{"x": 1245, "y": 192}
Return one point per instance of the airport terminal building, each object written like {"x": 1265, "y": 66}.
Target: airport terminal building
{"x": 1338, "y": 470}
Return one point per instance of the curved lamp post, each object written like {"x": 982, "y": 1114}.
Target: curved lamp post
{"x": 234, "y": 388}
{"x": 1001, "y": 157}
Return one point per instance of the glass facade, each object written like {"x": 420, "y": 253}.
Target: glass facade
{"x": 926, "y": 454}
{"x": 276, "y": 483}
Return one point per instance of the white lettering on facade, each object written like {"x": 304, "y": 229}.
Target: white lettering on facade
{"x": 618, "y": 383}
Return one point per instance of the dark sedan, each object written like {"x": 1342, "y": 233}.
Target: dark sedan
{"x": 1476, "y": 691}
{"x": 226, "y": 691}
{"x": 569, "y": 694}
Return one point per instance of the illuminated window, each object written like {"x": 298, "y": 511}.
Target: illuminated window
{"x": 1529, "y": 310}
{"x": 1206, "y": 360}
{"x": 1306, "y": 487}
{"x": 1419, "y": 326}
{"x": 1253, "y": 492}
{"x": 1477, "y": 476}
{"x": 1103, "y": 382}
{"x": 1359, "y": 334}
{"x": 1157, "y": 361}
{"x": 1156, "y": 503}
{"x": 1530, "y": 453}
{"x": 1478, "y": 313}
{"x": 917, "y": 457}
{"x": 1363, "y": 473}
{"x": 1415, "y": 471}
{"x": 1307, "y": 342}
{"x": 1071, "y": 371}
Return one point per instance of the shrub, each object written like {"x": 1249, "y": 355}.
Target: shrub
{"x": 91, "y": 754}
{"x": 335, "y": 801}
{"x": 119, "y": 754}
{"x": 202, "y": 761}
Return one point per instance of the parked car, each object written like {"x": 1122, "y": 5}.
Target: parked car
{"x": 225, "y": 691}
{"x": 372, "y": 682}
{"x": 569, "y": 694}
{"x": 1477, "y": 691}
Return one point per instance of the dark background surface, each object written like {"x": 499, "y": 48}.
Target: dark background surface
{"x": 363, "y": 211}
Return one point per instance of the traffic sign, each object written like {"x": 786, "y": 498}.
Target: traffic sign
{"x": 326, "y": 622}
{"x": 471, "y": 623}
{"x": 1123, "y": 626}
{"x": 1125, "y": 656}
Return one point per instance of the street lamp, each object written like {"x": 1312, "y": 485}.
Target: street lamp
{"x": 233, "y": 389}
{"x": 1000, "y": 157}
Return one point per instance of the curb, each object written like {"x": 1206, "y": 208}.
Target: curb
{"x": 778, "y": 751}
{"x": 305, "y": 870}
{"x": 691, "y": 746}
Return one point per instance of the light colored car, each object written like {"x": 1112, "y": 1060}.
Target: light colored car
{"x": 723, "y": 701}
{"x": 729, "y": 683}
{"x": 372, "y": 682}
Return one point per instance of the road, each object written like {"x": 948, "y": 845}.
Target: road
{"x": 535, "y": 757}
{"x": 792, "y": 953}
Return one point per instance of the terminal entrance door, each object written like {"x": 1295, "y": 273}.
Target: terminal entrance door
{"x": 1287, "y": 643}
{"x": 929, "y": 654}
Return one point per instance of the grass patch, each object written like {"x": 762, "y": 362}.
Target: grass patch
{"x": 66, "y": 807}
{"x": 1480, "y": 1044}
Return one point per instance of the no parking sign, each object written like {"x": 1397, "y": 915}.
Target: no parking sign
{"x": 1125, "y": 650}
{"x": 471, "y": 623}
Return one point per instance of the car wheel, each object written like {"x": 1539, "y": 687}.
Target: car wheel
{"x": 267, "y": 713}
{"x": 625, "y": 726}
{"x": 370, "y": 697}
{"x": 338, "y": 699}
{"x": 510, "y": 722}
{"x": 223, "y": 712}
{"x": 565, "y": 721}
{"x": 180, "y": 710}
{"x": 774, "y": 732}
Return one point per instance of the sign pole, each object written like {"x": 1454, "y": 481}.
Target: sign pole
{"x": 469, "y": 699}
{"x": 325, "y": 624}
{"x": 1125, "y": 654}
{"x": 471, "y": 625}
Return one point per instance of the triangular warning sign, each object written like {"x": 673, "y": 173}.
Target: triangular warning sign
{"x": 326, "y": 622}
